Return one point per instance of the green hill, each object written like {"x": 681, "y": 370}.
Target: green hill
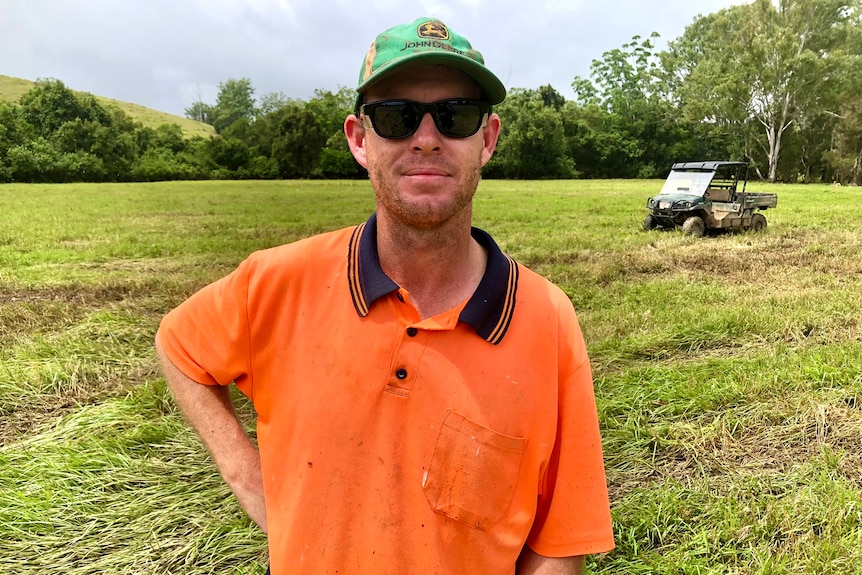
{"x": 11, "y": 90}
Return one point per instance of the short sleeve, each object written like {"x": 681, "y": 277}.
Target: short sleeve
{"x": 207, "y": 336}
{"x": 573, "y": 514}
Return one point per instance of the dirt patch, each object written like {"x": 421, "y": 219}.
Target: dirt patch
{"x": 27, "y": 312}
{"x": 74, "y": 294}
{"x": 55, "y": 309}
{"x": 42, "y": 409}
{"x": 745, "y": 259}
{"x": 770, "y": 448}
{"x": 22, "y": 422}
{"x": 82, "y": 365}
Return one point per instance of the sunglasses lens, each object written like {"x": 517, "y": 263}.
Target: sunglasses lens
{"x": 395, "y": 120}
{"x": 399, "y": 119}
{"x": 457, "y": 119}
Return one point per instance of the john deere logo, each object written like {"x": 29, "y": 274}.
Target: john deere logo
{"x": 433, "y": 30}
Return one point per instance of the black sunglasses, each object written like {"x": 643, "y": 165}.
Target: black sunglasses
{"x": 456, "y": 118}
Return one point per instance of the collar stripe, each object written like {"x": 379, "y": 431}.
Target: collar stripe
{"x": 353, "y": 265}
{"x": 489, "y": 310}
{"x": 502, "y": 326}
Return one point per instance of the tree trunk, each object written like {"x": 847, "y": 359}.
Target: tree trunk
{"x": 856, "y": 176}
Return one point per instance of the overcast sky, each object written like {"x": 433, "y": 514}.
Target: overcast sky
{"x": 163, "y": 54}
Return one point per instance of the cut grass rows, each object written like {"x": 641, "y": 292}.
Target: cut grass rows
{"x": 728, "y": 371}
{"x": 65, "y": 347}
{"x": 120, "y": 487}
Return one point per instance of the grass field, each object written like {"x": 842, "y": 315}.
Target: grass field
{"x": 11, "y": 90}
{"x": 728, "y": 370}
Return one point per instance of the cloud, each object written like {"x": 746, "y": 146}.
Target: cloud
{"x": 163, "y": 53}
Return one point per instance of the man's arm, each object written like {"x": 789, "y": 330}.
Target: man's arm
{"x": 210, "y": 412}
{"x": 531, "y": 563}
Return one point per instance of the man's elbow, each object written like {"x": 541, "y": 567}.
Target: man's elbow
{"x": 531, "y": 563}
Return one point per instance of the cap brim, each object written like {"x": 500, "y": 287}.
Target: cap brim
{"x": 491, "y": 87}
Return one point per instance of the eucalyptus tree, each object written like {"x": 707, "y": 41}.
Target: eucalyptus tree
{"x": 331, "y": 108}
{"x": 845, "y": 154}
{"x": 700, "y": 79}
{"x": 235, "y": 102}
{"x": 13, "y": 132}
{"x": 845, "y": 157}
{"x": 767, "y": 66}
{"x": 298, "y": 138}
{"x": 533, "y": 141}
{"x": 626, "y": 120}
{"x": 200, "y": 112}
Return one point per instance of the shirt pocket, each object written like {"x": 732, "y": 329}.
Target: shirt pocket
{"x": 473, "y": 472}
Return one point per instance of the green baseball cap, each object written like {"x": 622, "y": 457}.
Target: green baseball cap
{"x": 427, "y": 40}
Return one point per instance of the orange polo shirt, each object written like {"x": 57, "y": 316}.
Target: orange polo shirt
{"x": 391, "y": 444}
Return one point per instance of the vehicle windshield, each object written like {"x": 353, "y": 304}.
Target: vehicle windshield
{"x": 687, "y": 183}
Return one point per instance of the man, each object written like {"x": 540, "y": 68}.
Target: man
{"x": 424, "y": 403}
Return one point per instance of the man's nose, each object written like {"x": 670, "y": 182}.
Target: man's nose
{"x": 427, "y": 136}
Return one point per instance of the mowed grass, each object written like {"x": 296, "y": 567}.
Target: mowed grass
{"x": 728, "y": 370}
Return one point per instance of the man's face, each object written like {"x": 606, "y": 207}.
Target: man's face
{"x": 425, "y": 179}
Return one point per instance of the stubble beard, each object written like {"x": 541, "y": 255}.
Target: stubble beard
{"x": 424, "y": 216}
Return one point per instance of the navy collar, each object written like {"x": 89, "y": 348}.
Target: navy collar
{"x": 489, "y": 310}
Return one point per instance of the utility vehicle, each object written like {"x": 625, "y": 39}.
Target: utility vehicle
{"x": 704, "y": 196}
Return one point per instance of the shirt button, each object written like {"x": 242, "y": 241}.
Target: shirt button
{"x": 401, "y": 373}
{"x": 412, "y": 331}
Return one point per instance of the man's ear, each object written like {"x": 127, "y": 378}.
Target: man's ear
{"x": 490, "y": 134}
{"x": 355, "y": 133}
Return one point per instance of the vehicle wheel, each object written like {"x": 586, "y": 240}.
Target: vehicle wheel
{"x": 650, "y": 223}
{"x": 693, "y": 226}
{"x": 758, "y": 223}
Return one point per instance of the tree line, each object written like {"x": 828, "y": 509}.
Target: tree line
{"x": 776, "y": 83}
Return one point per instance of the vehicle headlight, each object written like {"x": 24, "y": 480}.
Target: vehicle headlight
{"x": 663, "y": 205}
